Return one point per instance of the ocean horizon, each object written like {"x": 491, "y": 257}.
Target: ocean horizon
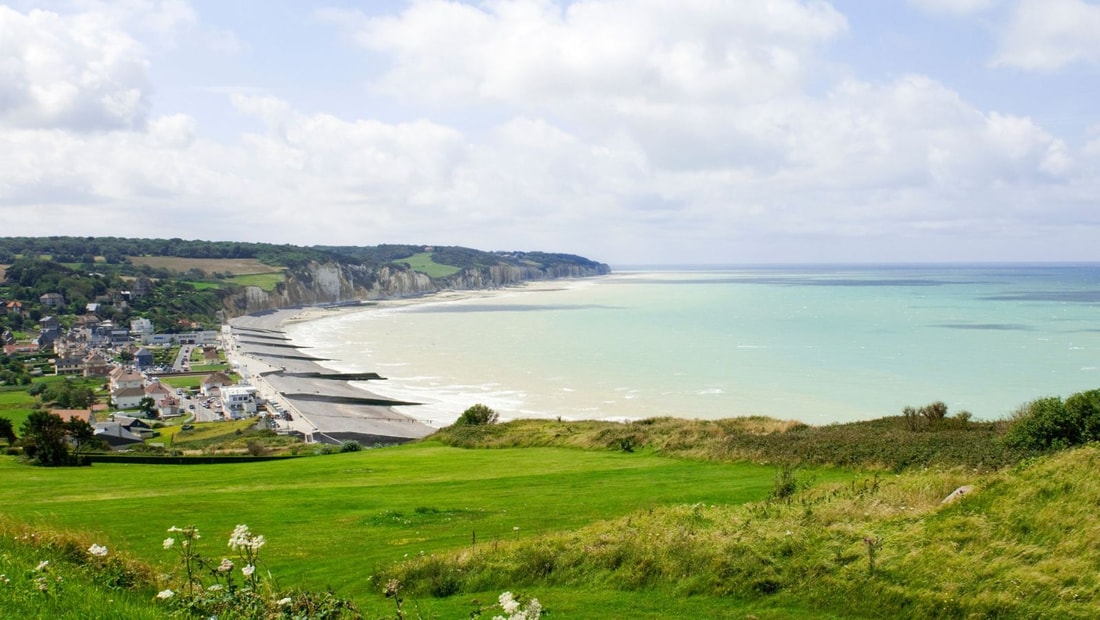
{"x": 815, "y": 343}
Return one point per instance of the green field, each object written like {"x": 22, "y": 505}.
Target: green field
{"x": 423, "y": 263}
{"x": 16, "y": 405}
{"x": 266, "y": 281}
{"x": 333, "y": 521}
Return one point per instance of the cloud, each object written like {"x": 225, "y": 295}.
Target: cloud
{"x": 953, "y": 7}
{"x": 537, "y": 53}
{"x": 1047, "y": 35}
{"x": 70, "y": 71}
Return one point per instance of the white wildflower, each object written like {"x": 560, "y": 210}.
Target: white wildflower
{"x": 509, "y": 604}
{"x": 42, "y": 565}
{"x": 248, "y": 570}
{"x": 284, "y": 601}
{"x": 175, "y": 529}
{"x": 165, "y": 594}
{"x": 98, "y": 550}
{"x": 225, "y": 566}
{"x": 168, "y": 542}
{"x": 214, "y": 588}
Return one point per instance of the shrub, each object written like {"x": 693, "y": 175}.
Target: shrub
{"x": 1054, "y": 424}
{"x": 477, "y": 415}
{"x": 350, "y": 446}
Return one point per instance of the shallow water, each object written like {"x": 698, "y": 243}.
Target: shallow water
{"x": 818, "y": 344}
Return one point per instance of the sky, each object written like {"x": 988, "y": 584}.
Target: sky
{"x": 627, "y": 131}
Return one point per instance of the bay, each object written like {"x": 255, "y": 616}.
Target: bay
{"x": 819, "y": 344}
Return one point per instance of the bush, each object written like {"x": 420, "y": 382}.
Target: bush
{"x": 477, "y": 415}
{"x": 350, "y": 446}
{"x": 1054, "y": 424}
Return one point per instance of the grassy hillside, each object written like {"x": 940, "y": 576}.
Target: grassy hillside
{"x": 371, "y": 509}
{"x": 610, "y": 528}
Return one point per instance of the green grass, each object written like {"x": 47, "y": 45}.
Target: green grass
{"x": 72, "y": 585}
{"x": 16, "y": 406}
{"x": 188, "y": 382}
{"x": 203, "y": 286}
{"x": 423, "y": 263}
{"x": 372, "y": 508}
{"x": 266, "y": 281}
{"x": 209, "y": 368}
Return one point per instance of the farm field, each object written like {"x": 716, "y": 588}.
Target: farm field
{"x": 333, "y": 521}
{"x": 235, "y": 266}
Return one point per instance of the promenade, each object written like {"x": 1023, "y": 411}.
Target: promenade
{"x": 323, "y": 406}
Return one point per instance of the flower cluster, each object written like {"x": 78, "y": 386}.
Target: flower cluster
{"x": 98, "y": 551}
{"x": 243, "y": 540}
{"x": 515, "y": 609}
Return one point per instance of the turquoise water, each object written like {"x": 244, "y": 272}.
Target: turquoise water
{"x": 817, "y": 344}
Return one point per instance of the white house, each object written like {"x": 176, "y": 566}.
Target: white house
{"x": 238, "y": 400}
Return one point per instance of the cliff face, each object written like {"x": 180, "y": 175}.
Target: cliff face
{"x": 321, "y": 283}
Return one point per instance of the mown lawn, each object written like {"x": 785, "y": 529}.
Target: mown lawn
{"x": 333, "y": 521}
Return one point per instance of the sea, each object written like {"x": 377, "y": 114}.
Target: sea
{"x": 818, "y": 344}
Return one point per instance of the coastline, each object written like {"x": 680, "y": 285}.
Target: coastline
{"x": 326, "y": 404}
{"x": 323, "y": 405}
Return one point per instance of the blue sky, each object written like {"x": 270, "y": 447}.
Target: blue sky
{"x": 631, "y": 131}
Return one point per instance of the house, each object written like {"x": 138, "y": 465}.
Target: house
{"x": 47, "y": 337}
{"x": 137, "y": 426}
{"x": 213, "y": 381}
{"x": 127, "y": 398}
{"x": 141, "y": 326}
{"x": 48, "y": 322}
{"x": 116, "y": 436}
{"x": 210, "y": 355}
{"x": 122, "y": 377}
{"x": 143, "y": 358}
{"x": 96, "y": 366}
{"x": 74, "y": 414}
{"x": 238, "y": 400}
{"x": 72, "y": 364}
{"x": 52, "y": 300}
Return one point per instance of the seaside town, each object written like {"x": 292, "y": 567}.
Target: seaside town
{"x": 152, "y": 379}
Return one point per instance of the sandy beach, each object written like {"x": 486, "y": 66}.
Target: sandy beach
{"x": 322, "y": 403}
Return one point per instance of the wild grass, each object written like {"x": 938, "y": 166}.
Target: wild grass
{"x": 1024, "y": 544}
{"x": 50, "y": 574}
{"x": 886, "y": 443}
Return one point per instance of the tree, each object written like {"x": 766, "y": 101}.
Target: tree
{"x": 82, "y": 435}
{"x": 477, "y": 415}
{"x": 44, "y": 439}
{"x": 148, "y": 407}
{"x": 7, "y": 431}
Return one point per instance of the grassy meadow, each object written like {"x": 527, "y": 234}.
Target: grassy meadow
{"x": 423, "y": 263}
{"x": 335, "y": 521}
{"x": 658, "y": 519}
{"x": 235, "y": 266}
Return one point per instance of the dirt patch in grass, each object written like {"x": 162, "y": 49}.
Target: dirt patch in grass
{"x": 235, "y": 266}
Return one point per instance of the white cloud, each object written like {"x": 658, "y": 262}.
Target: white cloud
{"x": 1046, "y": 35}
{"x": 953, "y": 7}
{"x": 71, "y": 71}
{"x": 534, "y": 52}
